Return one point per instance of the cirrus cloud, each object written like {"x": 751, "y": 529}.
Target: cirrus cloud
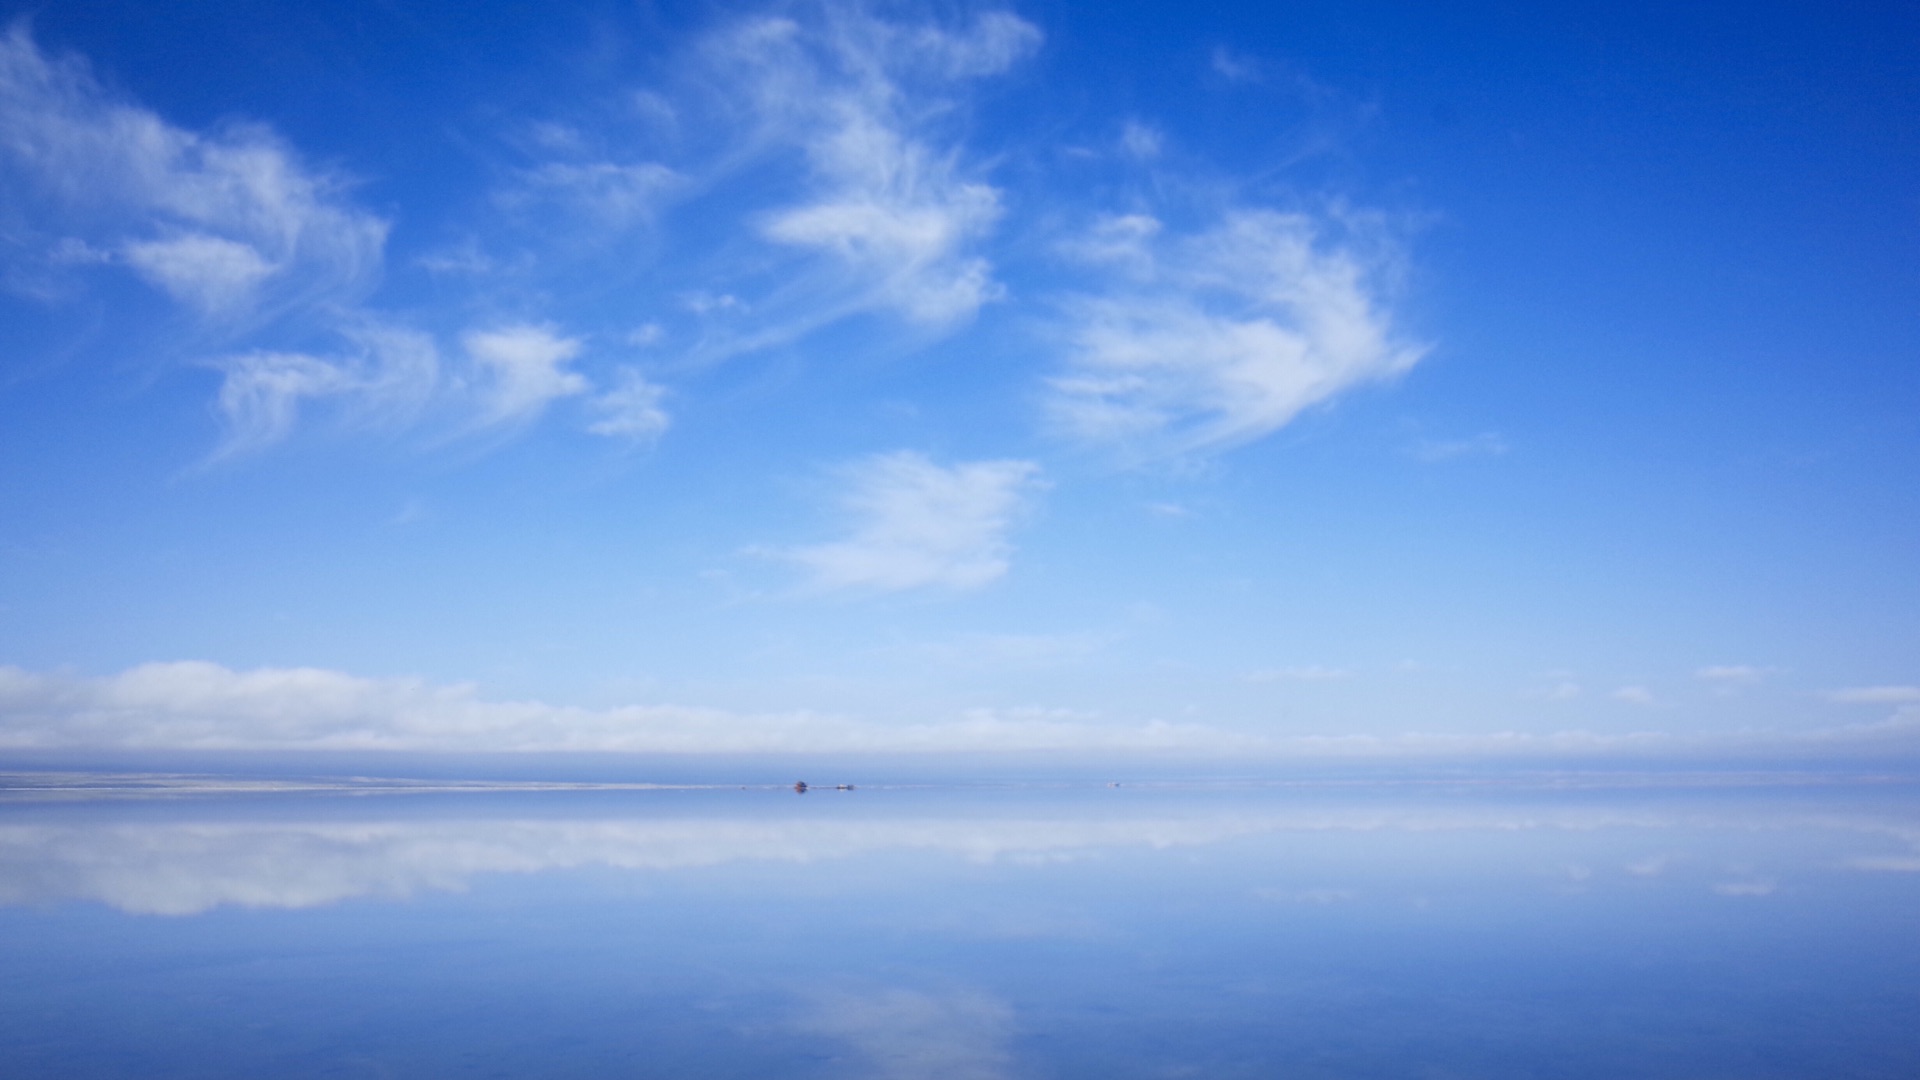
{"x": 1218, "y": 338}
{"x": 917, "y": 524}
{"x": 230, "y": 222}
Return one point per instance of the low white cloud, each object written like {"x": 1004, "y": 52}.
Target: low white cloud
{"x": 1211, "y": 340}
{"x": 228, "y": 222}
{"x": 1634, "y": 695}
{"x": 195, "y": 705}
{"x": 1878, "y": 695}
{"x": 631, "y": 409}
{"x": 916, "y": 524}
{"x": 523, "y": 369}
{"x": 205, "y": 706}
{"x": 200, "y": 705}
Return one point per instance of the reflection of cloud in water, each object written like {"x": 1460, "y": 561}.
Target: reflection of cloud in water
{"x": 179, "y": 868}
{"x": 907, "y": 1035}
{"x": 182, "y": 868}
{"x": 1904, "y": 864}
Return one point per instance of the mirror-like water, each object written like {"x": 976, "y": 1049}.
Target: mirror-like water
{"x": 1509, "y": 929}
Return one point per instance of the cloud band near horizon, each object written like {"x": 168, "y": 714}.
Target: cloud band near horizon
{"x": 200, "y": 706}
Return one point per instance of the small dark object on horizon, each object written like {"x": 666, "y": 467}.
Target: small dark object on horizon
{"x": 843, "y": 787}
{"x": 800, "y": 787}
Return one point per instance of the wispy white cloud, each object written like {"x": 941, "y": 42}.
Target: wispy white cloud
{"x": 261, "y": 392}
{"x": 1008, "y": 650}
{"x": 229, "y": 222}
{"x": 1235, "y": 67}
{"x": 523, "y": 370}
{"x": 1304, "y": 673}
{"x": 916, "y": 524}
{"x": 1730, "y": 674}
{"x": 1140, "y": 141}
{"x": 1320, "y": 897}
{"x": 1211, "y": 340}
{"x": 1878, "y": 695}
{"x": 390, "y": 377}
{"x": 889, "y": 202}
{"x": 1899, "y": 864}
{"x": 1652, "y": 866}
{"x": 1485, "y": 444}
{"x": 387, "y": 377}
{"x": 611, "y": 195}
{"x": 1725, "y": 680}
{"x": 1634, "y": 695}
{"x": 209, "y": 272}
{"x": 232, "y": 224}
{"x": 632, "y": 409}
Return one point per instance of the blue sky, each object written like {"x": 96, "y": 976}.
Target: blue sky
{"x": 822, "y": 377}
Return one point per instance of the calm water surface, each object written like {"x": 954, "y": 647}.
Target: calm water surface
{"x": 1496, "y": 929}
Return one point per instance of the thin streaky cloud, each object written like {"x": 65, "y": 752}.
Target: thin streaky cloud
{"x": 1208, "y": 341}
{"x": 1309, "y": 673}
{"x": 1140, "y": 141}
{"x": 1485, "y": 444}
{"x": 891, "y": 207}
{"x": 1877, "y": 695}
{"x": 386, "y": 378}
{"x": 261, "y": 394}
{"x": 852, "y": 122}
{"x": 608, "y": 194}
{"x": 633, "y": 408}
{"x": 917, "y": 524}
{"x": 1635, "y": 695}
{"x": 229, "y": 223}
{"x": 1235, "y": 67}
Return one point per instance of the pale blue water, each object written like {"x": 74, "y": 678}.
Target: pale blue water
{"x": 1515, "y": 928}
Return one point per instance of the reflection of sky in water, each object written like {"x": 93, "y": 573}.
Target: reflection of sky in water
{"x": 985, "y": 933}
